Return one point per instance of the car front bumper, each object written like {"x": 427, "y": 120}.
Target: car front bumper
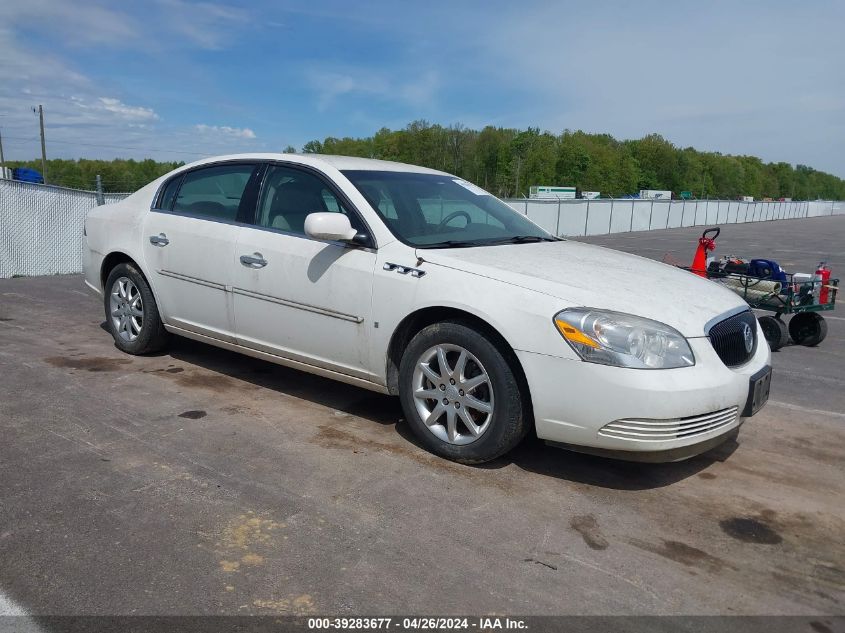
{"x": 643, "y": 415}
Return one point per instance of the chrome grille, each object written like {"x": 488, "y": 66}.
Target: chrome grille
{"x": 728, "y": 339}
{"x": 645, "y": 430}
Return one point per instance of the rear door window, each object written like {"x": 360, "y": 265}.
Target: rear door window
{"x": 169, "y": 194}
{"x": 214, "y": 192}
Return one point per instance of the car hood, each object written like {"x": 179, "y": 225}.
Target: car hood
{"x": 586, "y": 275}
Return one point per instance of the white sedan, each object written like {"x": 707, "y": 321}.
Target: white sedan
{"x": 412, "y": 282}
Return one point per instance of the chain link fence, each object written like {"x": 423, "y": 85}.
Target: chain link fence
{"x": 41, "y": 227}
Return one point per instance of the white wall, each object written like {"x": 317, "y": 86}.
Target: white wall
{"x": 41, "y": 225}
{"x": 598, "y": 217}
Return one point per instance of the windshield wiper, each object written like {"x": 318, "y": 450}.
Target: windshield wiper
{"x": 525, "y": 239}
{"x": 516, "y": 239}
{"x": 452, "y": 244}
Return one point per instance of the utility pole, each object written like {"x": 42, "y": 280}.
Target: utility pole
{"x": 100, "y": 199}
{"x": 43, "y": 146}
{"x": 2, "y": 158}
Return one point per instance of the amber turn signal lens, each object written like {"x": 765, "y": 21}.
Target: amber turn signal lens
{"x": 574, "y": 335}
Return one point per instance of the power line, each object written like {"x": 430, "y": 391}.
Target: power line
{"x": 18, "y": 138}
{"x": 137, "y": 149}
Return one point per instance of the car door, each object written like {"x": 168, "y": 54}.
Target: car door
{"x": 189, "y": 245}
{"x": 297, "y": 297}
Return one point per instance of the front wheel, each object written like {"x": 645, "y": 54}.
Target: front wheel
{"x": 460, "y": 394}
{"x": 775, "y": 332}
{"x": 132, "y": 315}
{"x": 808, "y": 328}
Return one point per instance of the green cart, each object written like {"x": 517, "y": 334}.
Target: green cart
{"x": 804, "y": 299}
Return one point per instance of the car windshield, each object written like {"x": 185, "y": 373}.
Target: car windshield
{"x": 441, "y": 211}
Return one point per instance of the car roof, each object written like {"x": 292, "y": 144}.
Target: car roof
{"x": 321, "y": 160}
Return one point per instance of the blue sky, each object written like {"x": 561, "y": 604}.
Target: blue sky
{"x": 177, "y": 79}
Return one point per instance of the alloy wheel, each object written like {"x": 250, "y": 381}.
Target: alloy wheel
{"x": 126, "y": 309}
{"x": 453, "y": 394}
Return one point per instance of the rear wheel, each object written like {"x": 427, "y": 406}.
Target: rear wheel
{"x": 460, "y": 395}
{"x": 775, "y": 332}
{"x": 808, "y": 328}
{"x": 131, "y": 312}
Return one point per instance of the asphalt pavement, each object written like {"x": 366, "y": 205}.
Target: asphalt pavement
{"x": 199, "y": 481}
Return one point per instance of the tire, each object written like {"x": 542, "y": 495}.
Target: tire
{"x": 491, "y": 400}
{"x": 775, "y": 332}
{"x": 132, "y": 315}
{"x": 808, "y": 328}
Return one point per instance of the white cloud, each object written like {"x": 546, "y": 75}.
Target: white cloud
{"x": 176, "y": 24}
{"x": 422, "y": 89}
{"x": 755, "y": 78}
{"x": 75, "y": 23}
{"x": 89, "y": 118}
{"x": 331, "y": 85}
{"x": 730, "y": 77}
{"x": 204, "y": 24}
{"x": 134, "y": 113}
{"x": 225, "y": 131}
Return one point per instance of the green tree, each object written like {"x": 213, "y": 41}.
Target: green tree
{"x": 496, "y": 158}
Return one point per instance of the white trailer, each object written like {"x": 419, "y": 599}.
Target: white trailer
{"x": 590, "y": 195}
{"x": 552, "y": 193}
{"x": 655, "y": 194}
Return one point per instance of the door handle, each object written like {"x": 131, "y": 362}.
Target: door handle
{"x": 256, "y": 260}
{"x": 159, "y": 240}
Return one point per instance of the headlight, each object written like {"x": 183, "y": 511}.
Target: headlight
{"x": 623, "y": 340}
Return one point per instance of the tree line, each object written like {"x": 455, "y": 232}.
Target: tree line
{"x": 118, "y": 175}
{"x": 507, "y": 161}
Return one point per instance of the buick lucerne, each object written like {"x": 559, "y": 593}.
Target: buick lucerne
{"x": 416, "y": 283}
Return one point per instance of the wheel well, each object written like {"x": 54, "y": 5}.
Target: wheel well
{"x": 424, "y": 317}
{"x": 112, "y": 260}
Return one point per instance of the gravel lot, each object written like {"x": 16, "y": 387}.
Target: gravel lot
{"x": 201, "y": 481}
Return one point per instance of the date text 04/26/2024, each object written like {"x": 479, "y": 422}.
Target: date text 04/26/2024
{"x": 419, "y": 623}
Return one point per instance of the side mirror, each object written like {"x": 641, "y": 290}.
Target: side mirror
{"x": 329, "y": 226}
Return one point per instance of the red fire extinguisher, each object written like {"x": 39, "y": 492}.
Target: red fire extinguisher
{"x": 823, "y": 274}
{"x": 705, "y": 243}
